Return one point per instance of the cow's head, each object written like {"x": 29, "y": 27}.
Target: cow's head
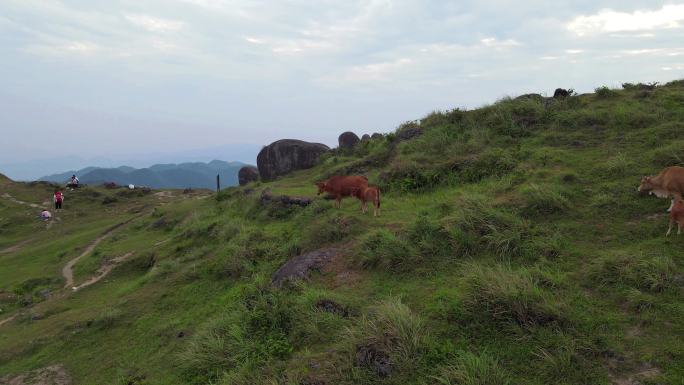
{"x": 321, "y": 187}
{"x": 646, "y": 185}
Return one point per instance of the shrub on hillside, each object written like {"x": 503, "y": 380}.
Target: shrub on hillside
{"x": 513, "y": 117}
{"x": 390, "y": 331}
{"x": 652, "y": 274}
{"x": 441, "y": 118}
{"x": 616, "y": 166}
{"x": 503, "y": 295}
{"x": 249, "y": 336}
{"x": 413, "y": 177}
{"x": 476, "y": 226}
{"x": 328, "y": 230}
{"x": 491, "y": 163}
{"x": 544, "y": 200}
{"x": 383, "y": 249}
{"x": 604, "y": 92}
{"x": 640, "y": 86}
{"x": 429, "y": 238}
{"x": 670, "y": 154}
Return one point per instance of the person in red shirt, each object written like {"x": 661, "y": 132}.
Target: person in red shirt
{"x": 59, "y": 198}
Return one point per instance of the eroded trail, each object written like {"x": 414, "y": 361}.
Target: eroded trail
{"x": 67, "y": 270}
{"x": 15, "y": 200}
{"x": 103, "y": 271}
{"x": 8, "y": 319}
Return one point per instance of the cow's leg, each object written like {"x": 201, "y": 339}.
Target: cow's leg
{"x": 675, "y": 198}
{"x": 679, "y": 228}
{"x": 669, "y": 229}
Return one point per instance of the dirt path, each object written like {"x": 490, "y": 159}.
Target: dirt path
{"x": 8, "y": 319}
{"x": 103, "y": 271}
{"x": 15, "y": 200}
{"x": 67, "y": 270}
{"x": 16, "y": 247}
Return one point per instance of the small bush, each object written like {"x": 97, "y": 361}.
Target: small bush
{"x": 605, "y": 92}
{"x": 652, "y": 274}
{"x": 392, "y": 329}
{"x": 473, "y": 369}
{"x": 671, "y": 154}
{"x": 616, "y": 166}
{"x": 383, "y": 249}
{"x": 503, "y": 295}
{"x": 429, "y": 238}
{"x": 477, "y": 226}
{"x": 545, "y": 199}
{"x": 109, "y": 200}
{"x": 107, "y": 319}
{"x": 246, "y": 337}
{"x": 329, "y": 230}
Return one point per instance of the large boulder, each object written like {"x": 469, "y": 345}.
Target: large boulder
{"x": 286, "y": 155}
{"x": 248, "y": 174}
{"x": 561, "y": 93}
{"x": 347, "y": 139}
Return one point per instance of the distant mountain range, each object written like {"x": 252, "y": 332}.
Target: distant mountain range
{"x": 183, "y": 175}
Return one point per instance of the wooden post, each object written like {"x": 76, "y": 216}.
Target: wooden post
{"x": 218, "y": 183}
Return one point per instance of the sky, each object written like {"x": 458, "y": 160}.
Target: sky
{"x": 126, "y": 81}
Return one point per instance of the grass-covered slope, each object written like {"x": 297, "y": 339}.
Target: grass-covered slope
{"x": 512, "y": 248}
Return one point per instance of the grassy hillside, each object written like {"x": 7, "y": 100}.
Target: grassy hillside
{"x": 512, "y": 248}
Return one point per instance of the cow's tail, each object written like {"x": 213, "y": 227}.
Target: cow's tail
{"x": 378, "y": 197}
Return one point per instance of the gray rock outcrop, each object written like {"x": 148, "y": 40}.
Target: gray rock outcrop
{"x": 248, "y": 174}
{"x": 287, "y": 155}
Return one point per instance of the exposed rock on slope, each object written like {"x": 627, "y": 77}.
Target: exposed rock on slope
{"x": 300, "y": 266}
{"x": 248, "y": 174}
{"x": 286, "y": 155}
{"x": 347, "y": 139}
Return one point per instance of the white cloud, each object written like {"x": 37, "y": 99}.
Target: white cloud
{"x": 63, "y": 48}
{"x": 494, "y": 43}
{"x": 155, "y": 24}
{"x": 254, "y": 40}
{"x": 608, "y": 20}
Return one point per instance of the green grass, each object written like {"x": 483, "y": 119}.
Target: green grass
{"x": 512, "y": 248}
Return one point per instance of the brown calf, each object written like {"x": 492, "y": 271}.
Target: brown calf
{"x": 370, "y": 194}
{"x": 342, "y": 186}
{"x": 676, "y": 215}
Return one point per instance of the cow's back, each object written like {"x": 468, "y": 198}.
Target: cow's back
{"x": 673, "y": 179}
{"x": 346, "y": 185}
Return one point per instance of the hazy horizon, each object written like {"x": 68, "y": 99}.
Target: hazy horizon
{"x": 126, "y": 80}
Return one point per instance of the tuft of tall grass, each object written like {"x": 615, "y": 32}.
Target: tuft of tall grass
{"x": 504, "y": 295}
{"x": 544, "y": 199}
{"x": 604, "y": 92}
{"x": 476, "y": 226}
{"x": 472, "y": 369}
{"x": 242, "y": 339}
{"x": 392, "y": 328}
{"x": 649, "y": 273}
{"x": 384, "y": 249}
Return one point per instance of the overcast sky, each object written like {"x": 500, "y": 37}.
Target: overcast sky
{"x": 122, "y": 78}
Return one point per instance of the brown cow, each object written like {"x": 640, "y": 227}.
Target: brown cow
{"x": 369, "y": 194}
{"x": 668, "y": 184}
{"x": 342, "y": 186}
{"x": 677, "y": 216}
